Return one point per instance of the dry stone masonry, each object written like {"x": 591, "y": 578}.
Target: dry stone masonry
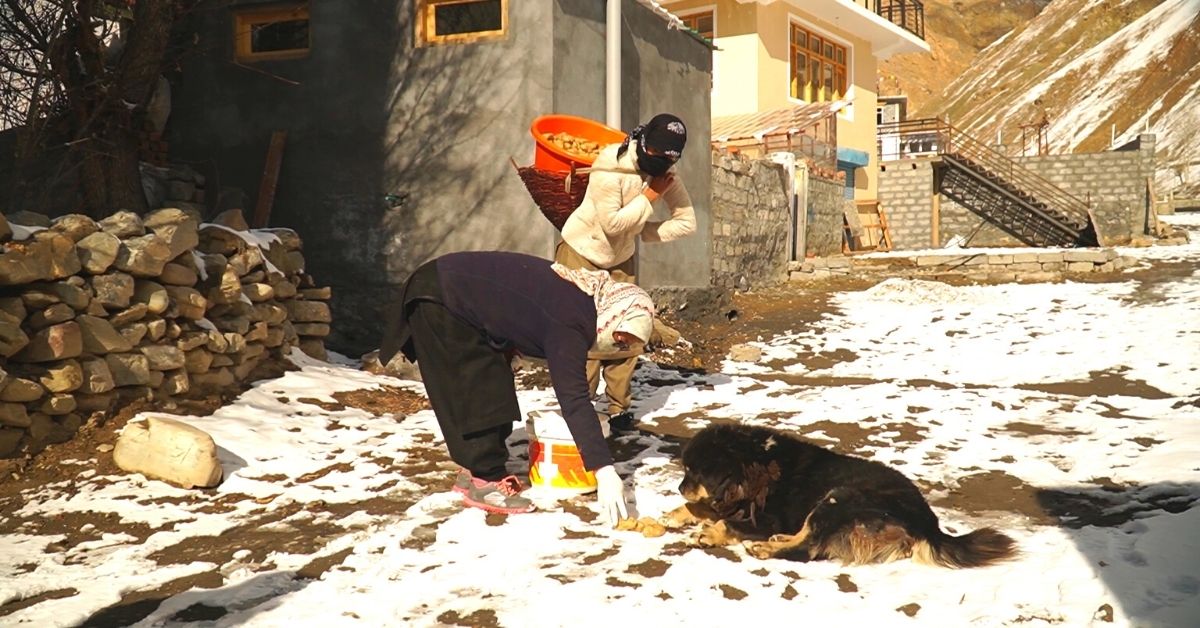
{"x": 93, "y": 313}
{"x": 750, "y": 216}
{"x": 1020, "y": 265}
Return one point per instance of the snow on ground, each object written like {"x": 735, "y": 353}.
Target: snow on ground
{"x": 946, "y": 382}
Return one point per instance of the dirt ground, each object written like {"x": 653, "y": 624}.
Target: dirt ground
{"x": 751, "y": 316}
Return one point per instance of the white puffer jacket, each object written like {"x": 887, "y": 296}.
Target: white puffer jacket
{"x": 614, "y": 211}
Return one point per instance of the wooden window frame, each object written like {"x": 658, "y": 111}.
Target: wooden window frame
{"x": 244, "y": 19}
{"x": 820, "y": 62}
{"x": 425, "y": 15}
{"x": 689, "y": 20}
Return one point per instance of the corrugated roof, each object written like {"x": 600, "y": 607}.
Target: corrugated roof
{"x": 775, "y": 122}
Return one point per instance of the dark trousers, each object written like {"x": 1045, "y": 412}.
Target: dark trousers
{"x": 470, "y": 386}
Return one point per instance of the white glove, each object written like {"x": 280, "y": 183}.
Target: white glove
{"x": 610, "y": 494}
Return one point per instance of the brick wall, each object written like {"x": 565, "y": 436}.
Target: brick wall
{"x": 905, "y": 191}
{"x": 750, "y": 222}
{"x": 958, "y": 222}
{"x": 1113, "y": 182}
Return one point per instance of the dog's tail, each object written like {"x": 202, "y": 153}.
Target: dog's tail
{"x": 984, "y": 546}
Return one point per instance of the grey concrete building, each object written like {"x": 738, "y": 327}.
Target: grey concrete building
{"x": 400, "y": 130}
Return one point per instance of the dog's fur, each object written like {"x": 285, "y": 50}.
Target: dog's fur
{"x": 787, "y": 498}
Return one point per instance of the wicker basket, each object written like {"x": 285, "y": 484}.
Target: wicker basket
{"x": 557, "y": 194}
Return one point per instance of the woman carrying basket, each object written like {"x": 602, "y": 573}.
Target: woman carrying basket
{"x": 601, "y": 234}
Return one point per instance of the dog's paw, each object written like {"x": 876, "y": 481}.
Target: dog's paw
{"x": 672, "y": 525}
{"x": 703, "y": 538}
{"x": 713, "y": 535}
{"x": 679, "y": 518}
{"x": 778, "y": 546}
{"x": 759, "y": 549}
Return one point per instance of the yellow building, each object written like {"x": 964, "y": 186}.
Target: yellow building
{"x": 773, "y": 55}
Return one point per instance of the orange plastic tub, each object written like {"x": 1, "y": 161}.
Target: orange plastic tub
{"x": 555, "y": 464}
{"x": 547, "y": 156}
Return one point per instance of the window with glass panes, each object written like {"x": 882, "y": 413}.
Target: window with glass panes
{"x": 270, "y": 34}
{"x": 461, "y": 21}
{"x": 702, "y": 23}
{"x": 818, "y": 66}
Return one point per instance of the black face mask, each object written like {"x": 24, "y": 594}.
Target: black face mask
{"x": 653, "y": 165}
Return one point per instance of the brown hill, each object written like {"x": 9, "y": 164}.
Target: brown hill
{"x": 957, "y": 30}
{"x": 1099, "y": 73}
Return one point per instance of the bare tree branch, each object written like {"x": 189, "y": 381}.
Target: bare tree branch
{"x": 75, "y": 76}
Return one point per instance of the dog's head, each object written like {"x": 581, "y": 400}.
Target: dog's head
{"x": 730, "y": 468}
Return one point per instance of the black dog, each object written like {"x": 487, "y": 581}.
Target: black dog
{"x": 794, "y": 500}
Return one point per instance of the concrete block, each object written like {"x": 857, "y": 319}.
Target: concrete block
{"x": 1095, "y": 256}
{"x": 1040, "y": 277}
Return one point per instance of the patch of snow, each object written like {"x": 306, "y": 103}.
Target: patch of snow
{"x": 23, "y": 232}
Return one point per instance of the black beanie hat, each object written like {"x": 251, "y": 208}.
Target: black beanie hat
{"x": 665, "y": 133}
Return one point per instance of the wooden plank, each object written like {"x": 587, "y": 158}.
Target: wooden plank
{"x": 935, "y": 221}
{"x": 800, "y": 213}
{"x": 868, "y": 218}
{"x": 885, "y": 235}
{"x": 270, "y": 180}
{"x": 1154, "y": 226}
{"x": 870, "y": 235}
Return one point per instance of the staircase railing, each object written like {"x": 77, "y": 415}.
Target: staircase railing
{"x": 932, "y": 136}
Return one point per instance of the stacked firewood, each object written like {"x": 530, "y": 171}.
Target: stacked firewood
{"x": 94, "y": 313}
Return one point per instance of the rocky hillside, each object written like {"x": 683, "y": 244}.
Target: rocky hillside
{"x": 957, "y": 30}
{"x": 1100, "y": 72}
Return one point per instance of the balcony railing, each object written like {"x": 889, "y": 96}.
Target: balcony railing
{"x": 907, "y": 14}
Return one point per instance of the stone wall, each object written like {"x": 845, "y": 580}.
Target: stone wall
{"x": 94, "y": 314}
{"x": 752, "y": 221}
{"x": 751, "y": 214}
{"x": 1112, "y": 182}
{"x": 826, "y": 204}
{"x": 1026, "y": 265}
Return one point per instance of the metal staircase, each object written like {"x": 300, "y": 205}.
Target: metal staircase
{"x": 1001, "y": 191}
